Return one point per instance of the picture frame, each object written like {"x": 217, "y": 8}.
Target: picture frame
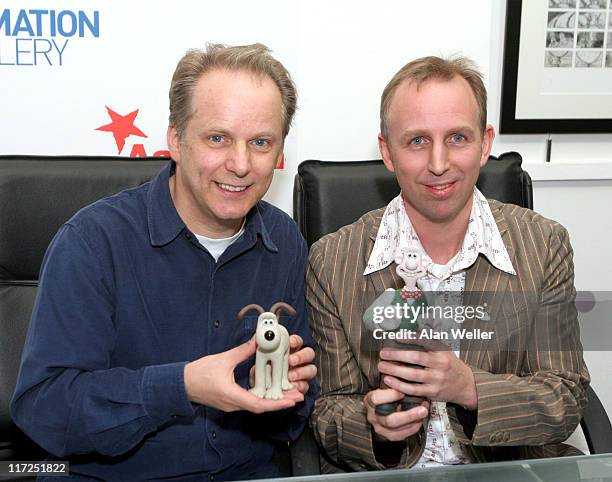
{"x": 548, "y": 85}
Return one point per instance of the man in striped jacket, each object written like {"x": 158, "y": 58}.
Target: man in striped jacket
{"x": 515, "y": 394}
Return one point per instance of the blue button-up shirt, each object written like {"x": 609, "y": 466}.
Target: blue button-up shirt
{"x": 127, "y": 296}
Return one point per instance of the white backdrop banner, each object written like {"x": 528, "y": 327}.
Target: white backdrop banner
{"x": 92, "y": 77}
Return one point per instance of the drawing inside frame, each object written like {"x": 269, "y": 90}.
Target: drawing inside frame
{"x": 557, "y": 75}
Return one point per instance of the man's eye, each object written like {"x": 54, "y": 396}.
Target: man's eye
{"x": 457, "y": 138}
{"x": 417, "y": 141}
{"x": 261, "y": 142}
{"x": 216, "y": 139}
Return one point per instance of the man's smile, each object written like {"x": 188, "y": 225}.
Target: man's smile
{"x": 440, "y": 189}
{"x": 231, "y": 187}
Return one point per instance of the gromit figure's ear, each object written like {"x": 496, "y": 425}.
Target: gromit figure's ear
{"x": 248, "y": 308}
{"x": 280, "y": 306}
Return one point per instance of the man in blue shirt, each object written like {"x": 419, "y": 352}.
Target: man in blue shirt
{"x": 136, "y": 366}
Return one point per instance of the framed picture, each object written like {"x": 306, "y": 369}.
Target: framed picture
{"x": 557, "y": 74}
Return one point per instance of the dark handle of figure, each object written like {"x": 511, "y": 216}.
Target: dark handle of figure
{"x": 409, "y": 401}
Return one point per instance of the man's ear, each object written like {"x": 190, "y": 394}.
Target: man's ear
{"x": 487, "y": 143}
{"x": 174, "y": 143}
{"x": 385, "y": 152}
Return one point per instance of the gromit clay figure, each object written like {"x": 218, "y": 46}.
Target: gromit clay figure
{"x": 272, "y": 357}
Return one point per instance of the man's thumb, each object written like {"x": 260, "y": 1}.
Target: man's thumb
{"x": 244, "y": 351}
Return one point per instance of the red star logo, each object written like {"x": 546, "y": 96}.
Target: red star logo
{"x": 122, "y": 126}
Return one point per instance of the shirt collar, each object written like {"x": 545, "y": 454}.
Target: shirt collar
{"x": 255, "y": 226}
{"x": 482, "y": 237}
{"x": 165, "y": 224}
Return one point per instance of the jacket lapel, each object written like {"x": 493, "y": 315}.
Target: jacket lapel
{"x": 485, "y": 285}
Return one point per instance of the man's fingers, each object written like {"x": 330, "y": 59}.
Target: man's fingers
{"x": 301, "y": 357}
{"x": 401, "y": 425}
{"x": 405, "y": 372}
{"x": 304, "y": 372}
{"x": 295, "y": 394}
{"x": 398, "y": 420}
{"x": 416, "y": 389}
{"x": 398, "y": 435}
{"x": 295, "y": 342}
{"x": 301, "y": 386}
{"x": 398, "y": 425}
{"x": 380, "y": 396}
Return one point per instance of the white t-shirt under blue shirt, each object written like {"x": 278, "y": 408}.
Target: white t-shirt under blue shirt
{"x": 216, "y": 247}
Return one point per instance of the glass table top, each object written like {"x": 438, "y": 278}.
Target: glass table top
{"x": 595, "y": 468}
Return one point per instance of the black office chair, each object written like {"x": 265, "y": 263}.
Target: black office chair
{"x": 37, "y": 195}
{"x": 329, "y": 195}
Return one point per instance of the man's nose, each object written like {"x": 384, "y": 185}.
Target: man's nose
{"x": 438, "y": 162}
{"x": 239, "y": 160}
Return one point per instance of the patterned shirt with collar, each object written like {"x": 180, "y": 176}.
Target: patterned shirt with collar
{"x": 482, "y": 237}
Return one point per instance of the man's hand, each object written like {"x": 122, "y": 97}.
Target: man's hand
{"x": 444, "y": 377}
{"x": 396, "y": 426}
{"x": 301, "y": 367}
{"x": 210, "y": 381}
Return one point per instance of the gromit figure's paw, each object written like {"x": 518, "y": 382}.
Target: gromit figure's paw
{"x": 274, "y": 394}
{"x": 287, "y": 385}
{"x": 260, "y": 392}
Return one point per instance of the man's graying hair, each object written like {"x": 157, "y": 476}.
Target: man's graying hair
{"x": 426, "y": 68}
{"x": 254, "y": 58}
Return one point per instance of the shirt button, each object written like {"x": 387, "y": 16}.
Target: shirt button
{"x": 214, "y": 434}
{"x": 211, "y": 477}
{"x": 188, "y": 235}
{"x": 217, "y": 323}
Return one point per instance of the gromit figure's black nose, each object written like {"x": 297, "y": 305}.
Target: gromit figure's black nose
{"x": 269, "y": 335}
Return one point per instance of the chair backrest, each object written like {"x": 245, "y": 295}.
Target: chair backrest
{"x": 328, "y": 195}
{"x": 37, "y": 195}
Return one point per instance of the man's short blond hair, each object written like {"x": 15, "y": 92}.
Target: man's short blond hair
{"x": 254, "y": 58}
{"x": 427, "y": 68}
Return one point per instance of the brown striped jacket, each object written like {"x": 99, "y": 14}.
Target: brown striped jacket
{"x": 530, "y": 379}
